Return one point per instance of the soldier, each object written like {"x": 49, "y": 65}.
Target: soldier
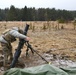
{"x": 6, "y": 39}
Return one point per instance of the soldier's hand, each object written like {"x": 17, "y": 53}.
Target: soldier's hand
{"x": 27, "y": 38}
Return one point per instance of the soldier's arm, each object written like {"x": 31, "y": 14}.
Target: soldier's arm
{"x": 17, "y": 34}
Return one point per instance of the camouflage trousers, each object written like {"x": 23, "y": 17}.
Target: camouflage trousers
{"x": 7, "y": 52}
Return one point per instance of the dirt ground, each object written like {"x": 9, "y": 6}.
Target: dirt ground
{"x": 50, "y": 39}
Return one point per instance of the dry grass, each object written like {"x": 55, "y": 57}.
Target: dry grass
{"x": 47, "y": 37}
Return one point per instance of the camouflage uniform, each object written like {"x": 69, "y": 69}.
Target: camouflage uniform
{"x": 6, "y": 39}
{"x": 8, "y": 56}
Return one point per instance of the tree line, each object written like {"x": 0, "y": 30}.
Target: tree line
{"x": 32, "y": 14}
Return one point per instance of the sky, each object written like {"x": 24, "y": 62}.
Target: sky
{"x": 57, "y": 4}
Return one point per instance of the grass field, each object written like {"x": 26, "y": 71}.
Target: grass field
{"x": 48, "y": 37}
